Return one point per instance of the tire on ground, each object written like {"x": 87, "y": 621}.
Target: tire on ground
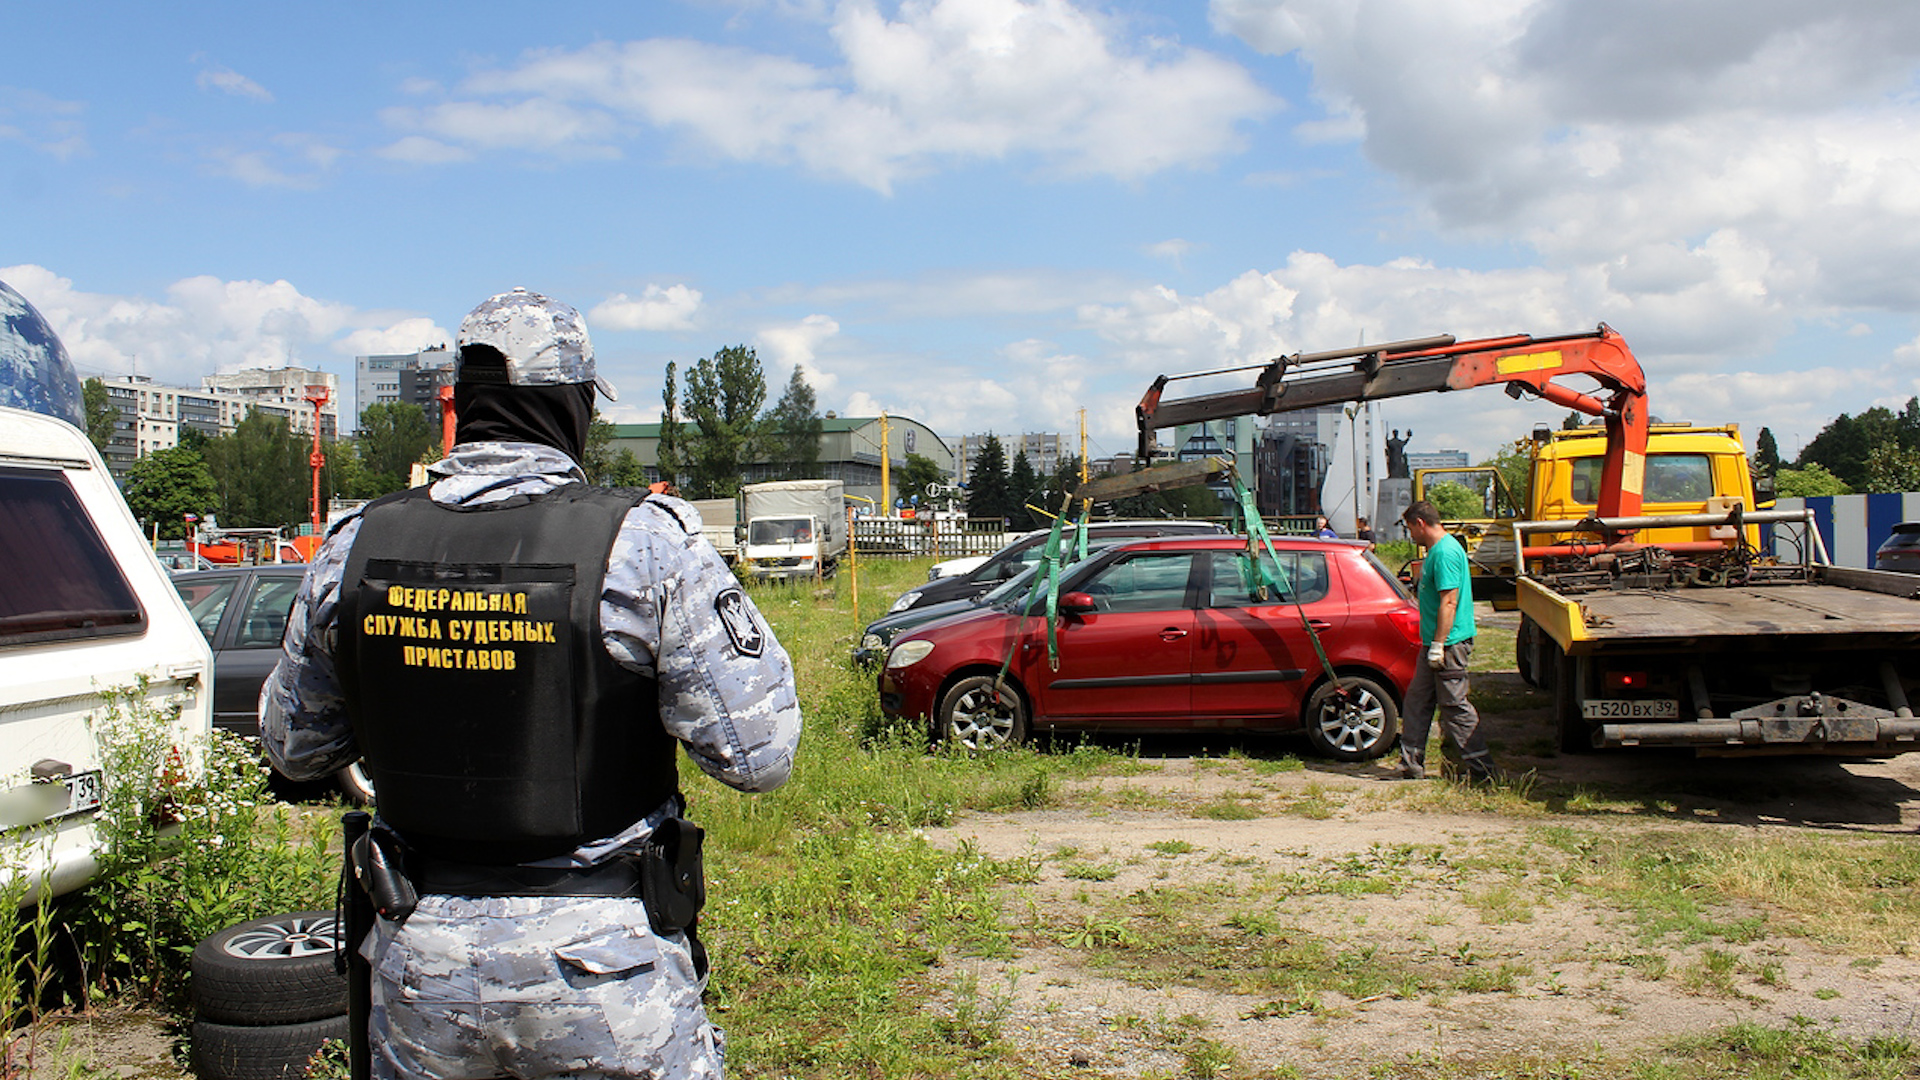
{"x": 270, "y": 1052}
{"x": 1359, "y": 728}
{"x": 1526, "y": 651}
{"x": 1576, "y": 731}
{"x": 975, "y": 716}
{"x": 276, "y": 970}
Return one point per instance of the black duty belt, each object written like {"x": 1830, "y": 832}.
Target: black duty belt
{"x": 447, "y": 877}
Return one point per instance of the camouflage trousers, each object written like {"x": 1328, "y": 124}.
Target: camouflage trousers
{"x": 527, "y": 987}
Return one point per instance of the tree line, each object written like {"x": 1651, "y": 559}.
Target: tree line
{"x": 1878, "y": 450}
{"x": 1027, "y": 498}
{"x": 260, "y": 475}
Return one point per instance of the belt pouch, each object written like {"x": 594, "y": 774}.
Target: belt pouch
{"x": 673, "y": 880}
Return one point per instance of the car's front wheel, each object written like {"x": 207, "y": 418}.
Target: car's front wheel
{"x": 1357, "y": 725}
{"x": 982, "y": 712}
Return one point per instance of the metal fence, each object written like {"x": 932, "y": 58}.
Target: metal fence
{"x": 914, "y": 537}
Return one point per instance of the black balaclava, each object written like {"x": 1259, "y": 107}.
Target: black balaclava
{"x": 487, "y": 409}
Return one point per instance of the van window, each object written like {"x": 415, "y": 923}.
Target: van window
{"x": 1671, "y": 478}
{"x": 60, "y": 582}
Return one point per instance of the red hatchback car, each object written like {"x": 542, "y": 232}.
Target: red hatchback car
{"x": 1171, "y": 635}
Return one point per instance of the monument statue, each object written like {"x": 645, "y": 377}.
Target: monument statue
{"x": 1397, "y": 455}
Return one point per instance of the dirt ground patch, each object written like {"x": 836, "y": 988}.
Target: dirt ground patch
{"x": 1246, "y": 915}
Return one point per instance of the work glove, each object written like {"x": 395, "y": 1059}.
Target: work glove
{"x": 1436, "y": 656}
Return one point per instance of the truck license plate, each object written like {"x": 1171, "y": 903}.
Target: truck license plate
{"x": 83, "y": 793}
{"x": 1631, "y": 709}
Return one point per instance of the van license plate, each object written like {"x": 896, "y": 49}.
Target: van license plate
{"x": 83, "y": 793}
{"x": 1631, "y": 709}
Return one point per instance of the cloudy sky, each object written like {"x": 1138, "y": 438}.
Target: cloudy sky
{"x": 988, "y": 214}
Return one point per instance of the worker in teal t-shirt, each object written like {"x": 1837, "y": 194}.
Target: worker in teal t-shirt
{"x": 1446, "y": 641}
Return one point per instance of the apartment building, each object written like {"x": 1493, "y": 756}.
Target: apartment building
{"x": 152, "y": 415}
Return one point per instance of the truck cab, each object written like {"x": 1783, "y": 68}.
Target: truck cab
{"x": 796, "y": 529}
{"x": 1689, "y": 470}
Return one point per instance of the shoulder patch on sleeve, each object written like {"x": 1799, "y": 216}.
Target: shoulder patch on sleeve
{"x": 743, "y": 627}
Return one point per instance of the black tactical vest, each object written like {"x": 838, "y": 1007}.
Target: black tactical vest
{"x": 493, "y": 723}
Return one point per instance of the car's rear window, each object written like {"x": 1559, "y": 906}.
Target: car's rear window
{"x": 60, "y": 581}
{"x": 1905, "y": 535}
{"x": 1386, "y": 575}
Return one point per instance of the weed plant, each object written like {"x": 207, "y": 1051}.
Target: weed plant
{"x": 191, "y": 844}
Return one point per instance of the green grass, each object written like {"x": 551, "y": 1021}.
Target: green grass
{"x": 839, "y": 931}
{"x": 1854, "y": 893}
{"x": 830, "y": 912}
{"x": 829, "y": 909}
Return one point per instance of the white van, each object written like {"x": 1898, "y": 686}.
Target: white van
{"x": 85, "y": 611}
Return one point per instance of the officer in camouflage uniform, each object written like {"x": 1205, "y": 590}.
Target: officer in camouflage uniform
{"x": 522, "y": 736}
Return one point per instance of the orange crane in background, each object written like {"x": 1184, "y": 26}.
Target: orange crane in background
{"x": 317, "y": 396}
{"x": 445, "y": 397}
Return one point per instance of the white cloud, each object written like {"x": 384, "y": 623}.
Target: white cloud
{"x": 797, "y": 345}
{"x": 205, "y": 325}
{"x": 671, "y": 308}
{"x": 537, "y": 125}
{"x": 47, "y": 124}
{"x": 405, "y": 336}
{"x": 1174, "y": 251}
{"x": 940, "y": 80}
{"x": 230, "y": 82}
{"x": 420, "y": 150}
{"x": 1601, "y": 132}
{"x": 291, "y": 160}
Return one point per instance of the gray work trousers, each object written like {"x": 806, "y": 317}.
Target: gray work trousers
{"x": 1446, "y": 689}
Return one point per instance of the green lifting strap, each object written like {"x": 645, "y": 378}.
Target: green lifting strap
{"x": 1046, "y": 576}
{"x": 1275, "y": 579}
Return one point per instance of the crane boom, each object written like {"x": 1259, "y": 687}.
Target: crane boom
{"x": 1525, "y": 364}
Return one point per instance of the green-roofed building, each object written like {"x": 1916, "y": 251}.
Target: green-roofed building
{"x": 849, "y": 452}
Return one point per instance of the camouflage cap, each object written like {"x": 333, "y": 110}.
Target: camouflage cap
{"x": 544, "y": 342}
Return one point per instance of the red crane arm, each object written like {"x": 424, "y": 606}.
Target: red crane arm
{"x": 1526, "y": 364}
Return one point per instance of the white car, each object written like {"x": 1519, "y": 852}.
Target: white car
{"x": 957, "y": 567}
{"x": 86, "y": 613}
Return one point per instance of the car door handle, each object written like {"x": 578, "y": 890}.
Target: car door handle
{"x": 1172, "y": 633}
{"x": 1320, "y": 624}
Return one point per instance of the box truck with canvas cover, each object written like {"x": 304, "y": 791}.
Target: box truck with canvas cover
{"x": 795, "y": 528}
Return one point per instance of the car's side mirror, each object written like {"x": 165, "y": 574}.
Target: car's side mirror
{"x": 1076, "y": 603}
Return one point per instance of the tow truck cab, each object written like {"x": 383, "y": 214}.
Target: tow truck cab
{"x": 1689, "y": 470}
